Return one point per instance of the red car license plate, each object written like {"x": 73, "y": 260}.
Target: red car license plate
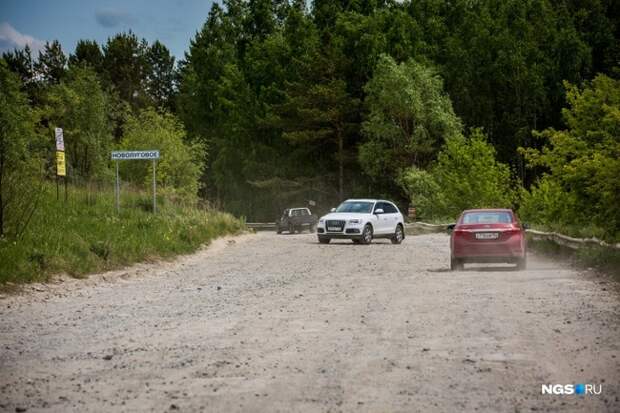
{"x": 487, "y": 235}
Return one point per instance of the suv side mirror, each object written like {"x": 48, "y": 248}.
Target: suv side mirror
{"x": 450, "y": 227}
{"x": 333, "y": 210}
{"x": 378, "y": 211}
{"x": 525, "y": 226}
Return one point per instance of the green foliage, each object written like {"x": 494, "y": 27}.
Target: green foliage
{"x": 502, "y": 64}
{"x": 409, "y": 118}
{"x": 180, "y": 166}
{"x": 81, "y": 108}
{"x": 125, "y": 67}
{"x": 161, "y": 74}
{"x": 466, "y": 175}
{"x": 51, "y": 66}
{"x": 21, "y": 63}
{"x": 20, "y": 162}
{"x": 272, "y": 88}
{"x": 424, "y": 193}
{"x": 87, "y": 53}
{"x": 79, "y": 237}
{"x": 582, "y": 162}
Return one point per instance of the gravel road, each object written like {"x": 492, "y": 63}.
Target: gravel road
{"x": 280, "y": 323}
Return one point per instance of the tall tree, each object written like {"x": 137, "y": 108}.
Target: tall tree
{"x": 261, "y": 19}
{"x": 20, "y": 154}
{"x": 87, "y": 53}
{"x": 126, "y": 68}
{"x": 410, "y": 116}
{"x": 21, "y": 63}
{"x": 52, "y": 64}
{"x": 582, "y": 163}
{"x": 320, "y": 117}
{"x": 81, "y": 107}
{"x": 161, "y": 75}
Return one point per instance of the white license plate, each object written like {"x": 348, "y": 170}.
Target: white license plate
{"x": 334, "y": 229}
{"x": 487, "y": 235}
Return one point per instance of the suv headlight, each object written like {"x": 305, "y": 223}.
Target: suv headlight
{"x": 355, "y": 221}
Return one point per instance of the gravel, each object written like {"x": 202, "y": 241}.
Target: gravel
{"x": 280, "y": 323}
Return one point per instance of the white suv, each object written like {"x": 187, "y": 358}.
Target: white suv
{"x": 361, "y": 220}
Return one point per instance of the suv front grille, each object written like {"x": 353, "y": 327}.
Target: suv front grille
{"x": 334, "y": 225}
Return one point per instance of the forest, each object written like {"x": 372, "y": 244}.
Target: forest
{"x": 440, "y": 105}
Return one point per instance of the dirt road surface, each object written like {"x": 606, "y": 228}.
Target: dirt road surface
{"x": 273, "y": 323}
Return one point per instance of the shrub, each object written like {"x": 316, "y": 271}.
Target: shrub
{"x": 466, "y": 175}
{"x": 581, "y": 187}
{"x": 181, "y": 163}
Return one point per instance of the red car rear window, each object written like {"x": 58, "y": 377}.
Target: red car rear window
{"x": 487, "y": 218}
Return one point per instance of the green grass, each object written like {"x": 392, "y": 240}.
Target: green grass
{"x": 85, "y": 234}
{"x": 605, "y": 260}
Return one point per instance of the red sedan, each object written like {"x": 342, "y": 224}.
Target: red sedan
{"x": 488, "y": 235}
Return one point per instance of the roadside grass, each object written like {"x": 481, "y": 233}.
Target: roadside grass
{"x": 86, "y": 235}
{"x": 604, "y": 260}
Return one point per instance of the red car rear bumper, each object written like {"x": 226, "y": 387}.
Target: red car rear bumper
{"x": 488, "y": 250}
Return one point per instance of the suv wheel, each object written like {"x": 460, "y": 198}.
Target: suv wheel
{"x": 456, "y": 264}
{"x": 521, "y": 263}
{"x": 291, "y": 229}
{"x": 366, "y": 235}
{"x": 398, "y": 236}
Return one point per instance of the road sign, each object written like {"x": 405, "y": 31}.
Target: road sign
{"x": 131, "y": 155}
{"x": 61, "y": 169}
{"x": 60, "y": 140}
{"x": 152, "y": 155}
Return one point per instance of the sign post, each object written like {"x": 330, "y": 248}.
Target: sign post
{"x": 136, "y": 155}
{"x": 61, "y": 165}
{"x": 117, "y": 190}
{"x": 154, "y": 187}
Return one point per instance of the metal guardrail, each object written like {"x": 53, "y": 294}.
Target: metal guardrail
{"x": 570, "y": 242}
{"x": 411, "y": 227}
{"x": 264, "y": 226}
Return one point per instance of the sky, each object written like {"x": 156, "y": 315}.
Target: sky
{"x": 33, "y": 22}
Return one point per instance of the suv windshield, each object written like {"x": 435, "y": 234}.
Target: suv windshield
{"x": 487, "y": 218}
{"x": 355, "y": 207}
{"x": 299, "y": 212}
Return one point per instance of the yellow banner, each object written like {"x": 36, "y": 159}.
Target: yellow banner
{"x": 61, "y": 169}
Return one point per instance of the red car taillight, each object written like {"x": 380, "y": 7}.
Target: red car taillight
{"x": 459, "y": 233}
{"x": 512, "y": 232}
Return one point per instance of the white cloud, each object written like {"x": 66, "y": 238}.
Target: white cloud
{"x": 12, "y": 39}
